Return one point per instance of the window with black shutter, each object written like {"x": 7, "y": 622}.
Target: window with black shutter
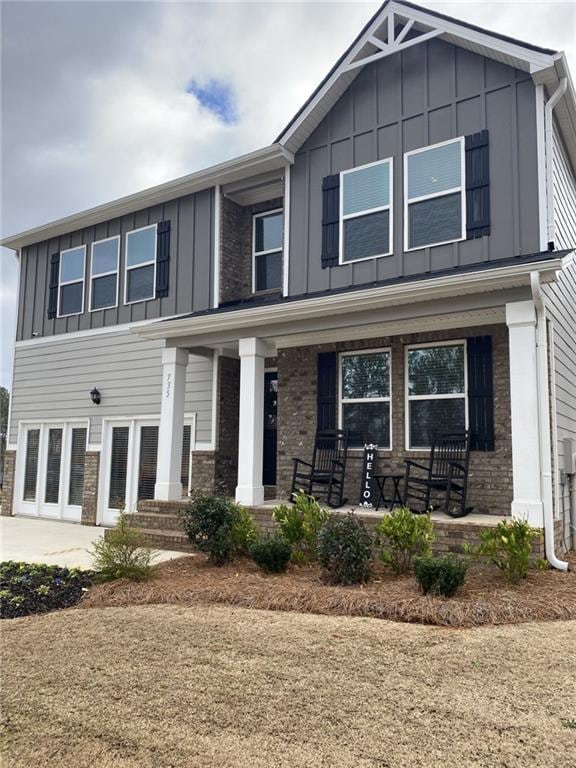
{"x": 481, "y": 393}
{"x": 477, "y": 185}
{"x": 163, "y": 260}
{"x": 326, "y": 391}
{"x": 330, "y": 220}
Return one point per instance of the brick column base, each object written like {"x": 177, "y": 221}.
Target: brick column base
{"x": 90, "y": 493}
{"x": 8, "y": 483}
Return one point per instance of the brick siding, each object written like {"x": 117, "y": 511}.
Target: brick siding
{"x": 90, "y": 492}
{"x": 8, "y": 483}
{"x": 490, "y": 478}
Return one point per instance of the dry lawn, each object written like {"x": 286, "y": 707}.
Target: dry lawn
{"x": 486, "y": 598}
{"x": 192, "y": 687}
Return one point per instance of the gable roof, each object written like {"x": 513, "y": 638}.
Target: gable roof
{"x": 398, "y": 25}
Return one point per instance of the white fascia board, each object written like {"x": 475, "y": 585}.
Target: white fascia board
{"x": 260, "y": 161}
{"x": 350, "y": 302}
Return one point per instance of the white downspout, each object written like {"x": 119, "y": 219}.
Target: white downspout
{"x": 549, "y": 143}
{"x": 544, "y": 424}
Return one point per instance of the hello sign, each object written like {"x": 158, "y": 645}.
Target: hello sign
{"x": 368, "y": 490}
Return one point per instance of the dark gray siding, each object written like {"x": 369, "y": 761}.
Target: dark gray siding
{"x": 191, "y": 269}
{"x": 429, "y": 93}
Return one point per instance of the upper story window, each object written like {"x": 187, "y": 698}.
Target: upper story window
{"x": 267, "y": 245}
{"x": 71, "y": 281}
{"x": 366, "y": 212}
{"x": 104, "y": 273}
{"x": 437, "y": 391}
{"x": 434, "y": 195}
{"x": 365, "y": 397}
{"x": 140, "y": 273}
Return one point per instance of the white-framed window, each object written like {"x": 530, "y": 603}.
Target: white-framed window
{"x": 435, "y": 195}
{"x": 364, "y": 397}
{"x": 267, "y": 247}
{"x": 104, "y": 273}
{"x": 71, "y": 281}
{"x": 140, "y": 268}
{"x": 436, "y": 378}
{"x": 366, "y": 211}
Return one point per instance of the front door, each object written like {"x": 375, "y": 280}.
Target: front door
{"x": 270, "y": 418}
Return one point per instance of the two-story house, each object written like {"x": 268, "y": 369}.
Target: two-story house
{"x": 398, "y": 262}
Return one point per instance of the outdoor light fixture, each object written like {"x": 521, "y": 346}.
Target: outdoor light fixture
{"x": 95, "y": 396}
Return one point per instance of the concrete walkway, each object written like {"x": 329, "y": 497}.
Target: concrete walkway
{"x": 53, "y": 542}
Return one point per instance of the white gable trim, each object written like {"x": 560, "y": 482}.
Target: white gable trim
{"x": 380, "y": 40}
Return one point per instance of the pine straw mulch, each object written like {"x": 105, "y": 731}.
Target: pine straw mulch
{"x": 485, "y": 598}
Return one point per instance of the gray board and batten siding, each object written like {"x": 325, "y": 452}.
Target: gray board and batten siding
{"x": 55, "y": 379}
{"x": 191, "y": 269}
{"x": 426, "y": 94}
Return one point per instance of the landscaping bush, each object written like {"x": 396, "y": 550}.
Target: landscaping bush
{"x": 271, "y": 553}
{"x": 300, "y": 524}
{"x": 345, "y": 550}
{"x": 440, "y": 575}
{"x": 509, "y": 546}
{"x": 402, "y": 535}
{"x": 27, "y": 588}
{"x": 218, "y": 527}
{"x": 122, "y": 554}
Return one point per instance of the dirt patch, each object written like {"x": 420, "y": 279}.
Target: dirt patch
{"x": 486, "y": 598}
{"x": 212, "y": 687}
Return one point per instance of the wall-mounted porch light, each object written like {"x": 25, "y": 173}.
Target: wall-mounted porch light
{"x": 95, "y": 396}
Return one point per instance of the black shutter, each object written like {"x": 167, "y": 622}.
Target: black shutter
{"x": 330, "y": 220}
{"x": 477, "y": 185}
{"x": 326, "y": 391}
{"x": 480, "y": 393}
{"x": 163, "y": 259}
{"x": 53, "y": 285}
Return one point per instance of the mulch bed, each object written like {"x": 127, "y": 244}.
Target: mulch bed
{"x": 486, "y": 598}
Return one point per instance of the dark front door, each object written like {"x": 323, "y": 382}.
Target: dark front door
{"x": 270, "y": 411}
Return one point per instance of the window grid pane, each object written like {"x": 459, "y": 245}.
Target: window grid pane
{"x": 435, "y": 170}
{"x": 428, "y": 417}
{"x": 118, "y": 467}
{"x": 104, "y": 292}
{"x": 105, "y": 257}
{"x": 366, "y": 236}
{"x": 367, "y": 423}
{"x": 366, "y": 376}
{"x": 52, "y": 493}
{"x": 269, "y": 232}
{"x": 140, "y": 246}
{"x": 366, "y": 188}
{"x": 140, "y": 283}
{"x": 31, "y": 464}
{"x": 71, "y": 299}
{"x": 77, "y": 459}
{"x": 437, "y": 220}
{"x": 268, "y": 271}
{"x": 72, "y": 265}
{"x": 436, "y": 370}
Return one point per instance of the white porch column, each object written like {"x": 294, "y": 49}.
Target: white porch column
{"x": 168, "y": 486}
{"x": 250, "y": 490}
{"x": 526, "y": 466}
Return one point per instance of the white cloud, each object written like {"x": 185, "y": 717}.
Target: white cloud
{"x": 95, "y": 104}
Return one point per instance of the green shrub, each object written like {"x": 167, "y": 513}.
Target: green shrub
{"x": 27, "y": 588}
{"x": 402, "y": 535}
{"x": 509, "y": 546}
{"x": 271, "y": 553}
{"x": 122, "y": 553}
{"x": 345, "y": 550}
{"x": 300, "y": 524}
{"x": 218, "y": 527}
{"x": 440, "y": 575}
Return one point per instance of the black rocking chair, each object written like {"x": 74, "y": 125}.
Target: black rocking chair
{"x": 442, "y": 482}
{"x": 323, "y": 478}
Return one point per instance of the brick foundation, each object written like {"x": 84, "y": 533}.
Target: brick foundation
{"x": 490, "y": 478}
{"x": 8, "y": 483}
{"x": 90, "y": 492}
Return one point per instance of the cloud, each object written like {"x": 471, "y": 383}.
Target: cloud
{"x": 95, "y": 102}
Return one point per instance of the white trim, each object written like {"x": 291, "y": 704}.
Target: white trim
{"x": 152, "y": 261}
{"x": 381, "y": 399}
{"x": 217, "y": 224}
{"x": 358, "y": 214}
{"x": 286, "y": 256}
{"x": 103, "y": 274}
{"x": 214, "y": 437}
{"x": 263, "y": 215}
{"x": 445, "y": 193}
{"x": 71, "y": 282}
{"x": 13, "y": 360}
{"x": 408, "y": 398}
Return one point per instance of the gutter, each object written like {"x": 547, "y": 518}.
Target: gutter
{"x": 545, "y": 447}
{"x": 549, "y": 143}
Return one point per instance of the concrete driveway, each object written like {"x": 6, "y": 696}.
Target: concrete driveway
{"x": 53, "y": 542}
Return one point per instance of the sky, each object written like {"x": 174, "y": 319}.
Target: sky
{"x": 102, "y": 99}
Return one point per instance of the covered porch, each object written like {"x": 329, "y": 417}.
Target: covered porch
{"x": 507, "y": 474}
